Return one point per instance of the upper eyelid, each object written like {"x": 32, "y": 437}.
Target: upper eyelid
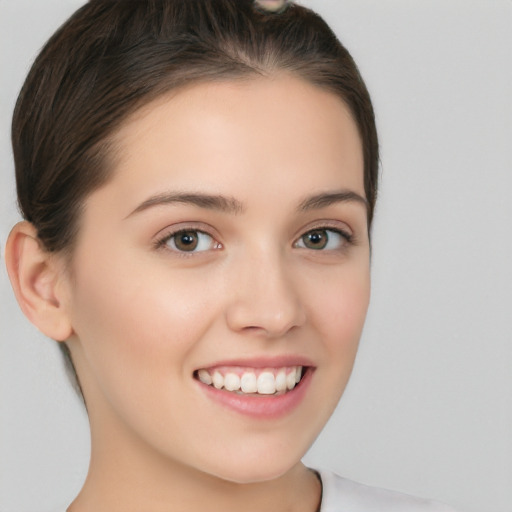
{"x": 343, "y": 233}
{"x": 161, "y": 244}
{"x": 333, "y": 225}
{"x": 200, "y": 227}
{"x": 161, "y": 240}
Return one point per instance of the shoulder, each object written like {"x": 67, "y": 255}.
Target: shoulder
{"x": 340, "y": 494}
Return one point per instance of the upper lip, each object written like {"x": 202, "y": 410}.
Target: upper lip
{"x": 262, "y": 362}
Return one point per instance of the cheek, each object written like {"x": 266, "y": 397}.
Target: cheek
{"x": 133, "y": 319}
{"x": 337, "y": 311}
{"x": 137, "y": 326}
{"x": 339, "y": 308}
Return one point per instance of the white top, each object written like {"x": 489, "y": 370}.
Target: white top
{"x": 342, "y": 495}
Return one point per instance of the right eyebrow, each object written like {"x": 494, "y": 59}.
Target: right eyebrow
{"x": 207, "y": 201}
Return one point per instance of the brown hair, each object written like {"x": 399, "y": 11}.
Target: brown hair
{"x": 112, "y": 57}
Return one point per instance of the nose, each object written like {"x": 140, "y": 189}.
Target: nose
{"x": 264, "y": 298}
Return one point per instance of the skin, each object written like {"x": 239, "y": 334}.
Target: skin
{"x": 272, "y": 5}
{"x": 140, "y": 317}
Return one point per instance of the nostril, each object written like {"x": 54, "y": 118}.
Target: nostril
{"x": 264, "y": 319}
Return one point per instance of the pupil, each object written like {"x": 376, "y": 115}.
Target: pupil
{"x": 186, "y": 241}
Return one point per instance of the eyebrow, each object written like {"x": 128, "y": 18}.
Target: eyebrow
{"x": 231, "y": 205}
{"x": 323, "y": 200}
{"x": 209, "y": 201}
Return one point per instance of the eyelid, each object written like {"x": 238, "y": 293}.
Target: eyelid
{"x": 165, "y": 234}
{"x": 338, "y": 227}
{"x": 333, "y": 225}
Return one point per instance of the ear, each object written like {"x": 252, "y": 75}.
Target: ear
{"x": 37, "y": 277}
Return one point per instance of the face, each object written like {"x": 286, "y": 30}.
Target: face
{"x": 221, "y": 278}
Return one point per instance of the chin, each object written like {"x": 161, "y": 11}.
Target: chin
{"x": 247, "y": 476}
{"x": 266, "y": 466}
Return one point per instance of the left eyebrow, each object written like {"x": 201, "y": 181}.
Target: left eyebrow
{"x": 323, "y": 200}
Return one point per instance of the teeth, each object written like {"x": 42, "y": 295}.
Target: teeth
{"x": 232, "y": 382}
{"x": 249, "y": 383}
{"x": 218, "y": 380}
{"x": 290, "y": 380}
{"x": 204, "y": 377}
{"x": 281, "y": 380}
{"x": 268, "y": 382}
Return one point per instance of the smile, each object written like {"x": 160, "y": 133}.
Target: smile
{"x": 252, "y": 381}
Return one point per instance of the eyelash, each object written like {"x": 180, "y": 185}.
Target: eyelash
{"x": 347, "y": 238}
{"x": 161, "y": 243}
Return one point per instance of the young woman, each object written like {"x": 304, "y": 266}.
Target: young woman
{"x": 198, "y": 180}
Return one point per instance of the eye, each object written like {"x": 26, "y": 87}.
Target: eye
{"x": 189, "y": 240}
{"x": 323, "y": 239}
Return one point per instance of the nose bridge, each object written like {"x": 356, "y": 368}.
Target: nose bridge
{"x": 265, "y": 297}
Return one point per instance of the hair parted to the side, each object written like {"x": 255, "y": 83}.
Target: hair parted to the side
{"x": 113, "y": 57}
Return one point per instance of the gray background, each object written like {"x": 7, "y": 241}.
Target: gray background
{"x": 429, "y": 407}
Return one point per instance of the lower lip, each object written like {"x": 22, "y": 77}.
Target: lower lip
{"x": 261, "y": 406}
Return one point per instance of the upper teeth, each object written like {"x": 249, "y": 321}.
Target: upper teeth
{"x": 265, "y": 382}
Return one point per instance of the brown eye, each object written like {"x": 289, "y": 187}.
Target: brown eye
{"x": 323, "y": 239}
{"x": 316, "y": 239}
{"x": 186, "y": 240}
{"x": 190, "y": 241}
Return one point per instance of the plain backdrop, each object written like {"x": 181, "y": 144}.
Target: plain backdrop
{"x": 429, "y": 408}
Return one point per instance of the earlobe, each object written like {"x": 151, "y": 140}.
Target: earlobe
{"x": 36, "y": 276}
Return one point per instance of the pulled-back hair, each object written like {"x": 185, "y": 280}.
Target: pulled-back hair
{"x": 113, "y": 57}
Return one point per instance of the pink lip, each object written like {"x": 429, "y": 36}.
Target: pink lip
{"x": 262, "y": 362}
{"x": 261, "y": 406}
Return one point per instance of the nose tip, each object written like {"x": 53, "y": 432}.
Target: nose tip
{"x": 274, "y": 324}
{"x": 265, "y": 303}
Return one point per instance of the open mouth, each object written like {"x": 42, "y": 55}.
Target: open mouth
{"x": 252, "y": 381}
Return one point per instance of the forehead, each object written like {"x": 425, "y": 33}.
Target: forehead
{"x": 246, "y": 132}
